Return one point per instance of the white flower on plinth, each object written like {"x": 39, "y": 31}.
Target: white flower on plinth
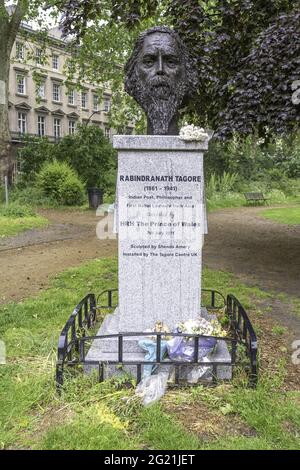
{"x": 191, "y": 133}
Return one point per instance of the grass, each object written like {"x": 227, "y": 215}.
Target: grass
{"x": 15, "y": 218}
{"x": 89, "y": 415}
{"x": 10, "y": 226}
{"x": 233, "y": 199}
{"x": 285, "y": 215}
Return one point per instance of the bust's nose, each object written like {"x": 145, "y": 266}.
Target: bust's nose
{"x": 160, "y": 65}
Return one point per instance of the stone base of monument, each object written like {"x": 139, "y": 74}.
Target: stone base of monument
{"x": 106, "y": 350}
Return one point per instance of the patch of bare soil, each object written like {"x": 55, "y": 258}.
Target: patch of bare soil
{"x": 29, "y": 259}
{"x": 275, "y": 346}
{"x": 260, "y": 253}
{"x": 208, "y": 424}
{"x": 257, "y": 250}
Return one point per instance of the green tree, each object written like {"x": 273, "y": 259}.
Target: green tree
{"x": 91, "y": 154}
{"x": 9, "y": 26}
{"x": 227, "y": 38}
{"x": 87, "y": 151}
{"x": 10, "y": 21}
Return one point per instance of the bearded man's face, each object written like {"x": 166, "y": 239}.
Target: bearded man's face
{"x": 160, "y": 80}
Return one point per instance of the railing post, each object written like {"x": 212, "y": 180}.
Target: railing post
{"x": 120, "y": 348}
{"x": 196, "y": 350}
{"x": 138, "y": 373}
{"x": 110, "y": 299}
{"x": 213, "y": 298}
{"x": 253, "y": 364}
{"x": 233, "y": 350}
{"x": 101, "y": 371}
{"x": 59, "y": 376}
{"x": 158, "y": 348}
{"x": 81, "y": 350}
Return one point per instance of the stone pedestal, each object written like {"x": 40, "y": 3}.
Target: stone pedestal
{"x": 160, "y": 220}
{"x": 161, "y": 223}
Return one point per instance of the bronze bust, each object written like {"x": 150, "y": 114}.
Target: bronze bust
{"x": 160, "y": 75}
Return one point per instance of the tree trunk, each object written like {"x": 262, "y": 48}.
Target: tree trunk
{"x": 5, "y": 138}
{"x": 9, "y": 26}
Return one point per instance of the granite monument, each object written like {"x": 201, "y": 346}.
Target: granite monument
{"x": 160, "y": 216}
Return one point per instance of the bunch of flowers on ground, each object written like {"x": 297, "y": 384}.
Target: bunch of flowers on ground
{"x": 201, "y": 326}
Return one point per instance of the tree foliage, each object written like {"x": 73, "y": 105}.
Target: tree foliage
{"x": 262, "y": 90}
{"x": 88, "y": 152}
{"x": 231, "y": 40}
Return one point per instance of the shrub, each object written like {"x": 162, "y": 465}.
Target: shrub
{"x": 59, "y": 181}
{"x": 34, "y": 154}
{"x": 72, "y": 191}
{"x": 88, "y": 152}
{"x": 221, "y": 184}
{"x": 31, "y": 195}
{"x": 91, "y": 155}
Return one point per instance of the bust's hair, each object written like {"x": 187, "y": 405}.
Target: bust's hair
{"x": 191, "y": 73}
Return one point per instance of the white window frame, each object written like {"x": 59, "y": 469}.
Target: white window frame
{"x": 41, "y": 126}
{"x": 107, "y": 132}
{"x": 41, "y": 90}
{"x": 57, "y": 93}
{"x": 72, "y": 127}
{"x": 84, "y": 100}
{"x": 71, "y": 97}
{"x": 57, "y": 127}
{"x": 55, "y": 62}
{"x": 20, "y": 50}
{"x": 38, "y": 56}
{"x": 21, "y": 84}
{"x": 22, "y": 122}
{"x": 95, "y": 102}
{"x": 106, "y": 105}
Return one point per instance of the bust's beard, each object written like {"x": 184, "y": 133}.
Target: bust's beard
{"x": 160, "y": 100}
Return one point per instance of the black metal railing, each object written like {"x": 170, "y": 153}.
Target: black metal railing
{"x": 82, "y": 319}
{"x": 72, "y": 345}
{"x": 121, "y": 361}
{"x": 211, "y": 299}
{"x": 244, "y": 331}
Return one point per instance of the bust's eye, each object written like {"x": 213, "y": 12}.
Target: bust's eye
{"x": 172, "y": 62}
{"x": 148, "y": 61}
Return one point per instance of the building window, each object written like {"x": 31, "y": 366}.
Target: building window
{"x": 38, "y": 56}
{"x": 71, "y": 97}
{"x": 84, "y": 100}
{"x": 57, "y": 127}
{"x": 72, "y": 127}
{"x": 106, "y": 105}
{"x": 55, "y": 62}
{"x": 21, "y": 85}
{"x": 107, "y": 132}
{"x": 20, "y": 53}
{"x": 56, "y": 92}
{"x": 22, "y": 123}
{"x": 41, "y": 125}
{"x": 95, "y": 103}
{"x": 41, "y": 90}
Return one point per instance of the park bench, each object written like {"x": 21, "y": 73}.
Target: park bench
{"x": 255, "y": 197}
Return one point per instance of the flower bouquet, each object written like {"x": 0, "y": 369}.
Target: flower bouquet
{"x": 191, "y": 133}
{"x": 182, "y": 348}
